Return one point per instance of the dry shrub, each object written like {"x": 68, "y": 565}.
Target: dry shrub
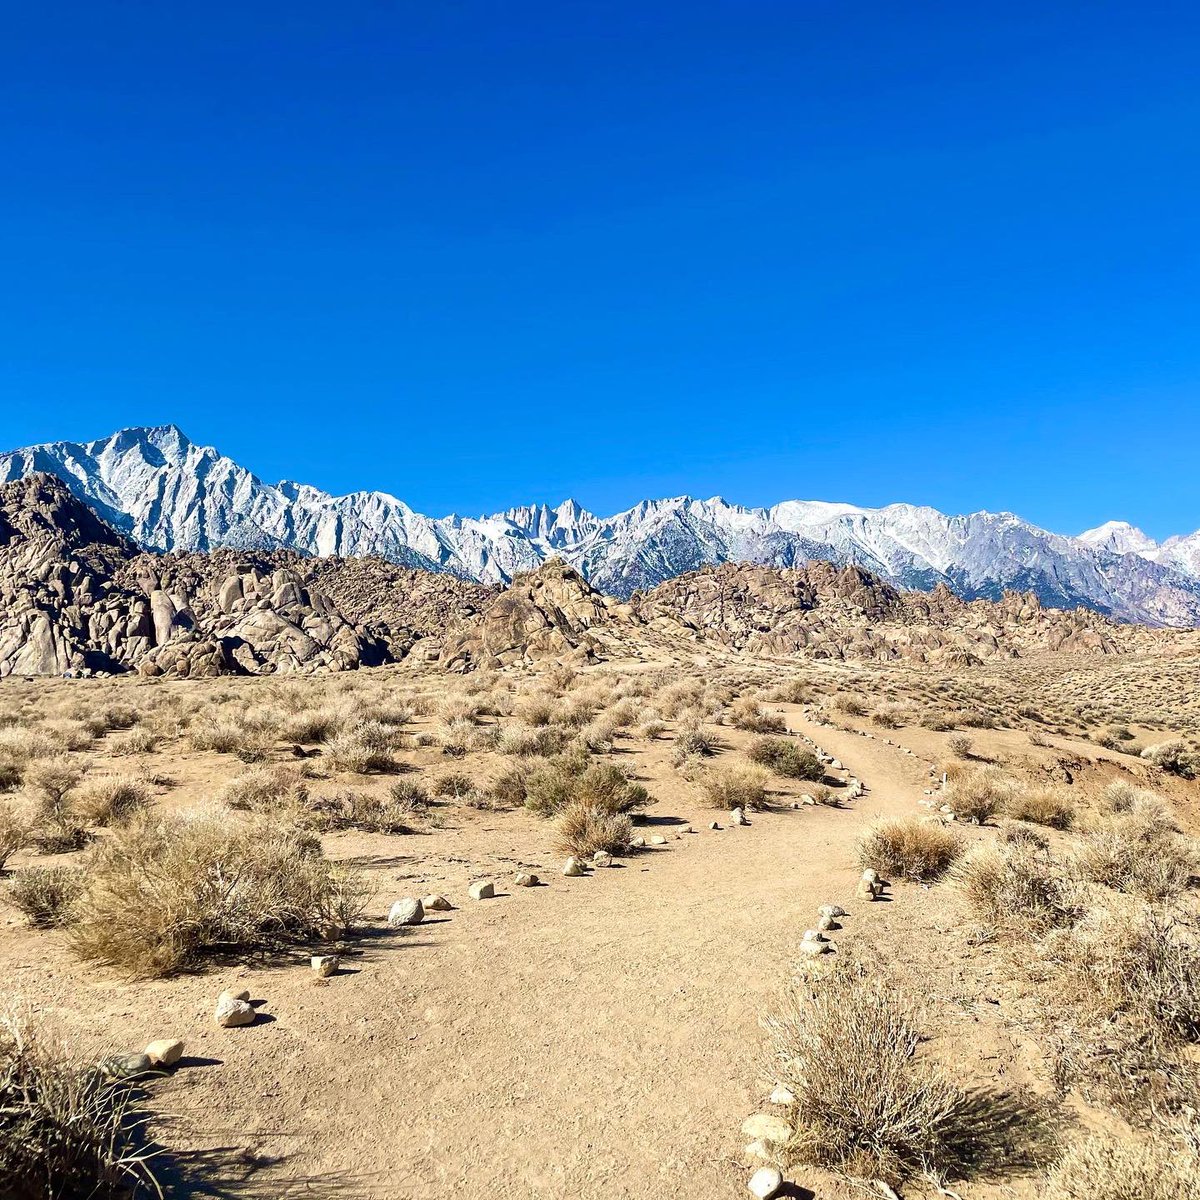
{"x": 160, "y": 894}
{"x": 693, "y": 738}
{"x": 791, "y": 691}
{"x": 891, "y": 716}
{"x": 66, "y": 1131}
{"x": 786, "y": 757}
{"x": 265, "y": 789}
{"x": 1131, "y": 968}
{"x": 565, "y": 781}
{"x": 652, "y": 728}
{"x": 1015, "y": 889}
{"x": 525, "y": 741}
{"x": 105, "y": 800}
{"x": 10, "y": 776}
{"x": 139, "y": 740}
{"x": 363, "y": 748}
{"x": 960, "y": 745}
{"x": 45, "y": 894}
{"x": 909, "y": 848}
{"x": 454, "y": 785}
{"x": 397, "y": 811}
{"x": 598, "y": 736}
{"x": 734, "y": 787}
{"x": 509, "y": 790}
{"x": 1175, "y": 758}
{"x": 583, "y": 829}
{"x": 1104, "y": 1167}
{"x": 54, "y": 826}
{"x": 14, "y": 830}
{"x": 1052, "y": 807}
{"x": 852, "y": 706}
{"x": 748, "y": 714}
{"x": 977, "y": 794}
{"x": 21, "y": 745}
{"x": 1137, "y": 850}
{"x": 312, "y": 726}
{"x": 866, "y": 1104}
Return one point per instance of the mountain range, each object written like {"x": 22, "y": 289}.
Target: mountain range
{"x": 168, "y": 493}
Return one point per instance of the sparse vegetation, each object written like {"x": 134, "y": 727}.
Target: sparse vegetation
{"x": 869, "y": 1106}
{"x": 734, "y": 787}
{"x": 786, "y": 757}
{"x": 160, "y": 893}
{"x": 909, "y": 848}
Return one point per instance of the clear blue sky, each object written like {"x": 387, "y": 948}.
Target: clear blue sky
{"x": 482, "y": 253}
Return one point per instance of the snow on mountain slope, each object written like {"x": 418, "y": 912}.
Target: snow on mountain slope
{"x": 1119, "y": 537}
{"x": 168, "y": 493}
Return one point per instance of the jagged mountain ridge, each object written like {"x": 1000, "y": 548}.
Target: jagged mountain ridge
{"x": 171, "y": 494}
{"x": 77, "y": 596}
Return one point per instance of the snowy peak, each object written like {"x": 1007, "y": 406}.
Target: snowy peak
{"x": 1119, "y": 537}
{"x": 168, "y": 493}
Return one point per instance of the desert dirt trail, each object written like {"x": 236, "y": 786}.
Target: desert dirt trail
{"x": 594, "y": 1037}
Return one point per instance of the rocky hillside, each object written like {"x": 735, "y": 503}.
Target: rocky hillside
{"x": 76, "y": 596}
{"x": 170, "y": 494}
{"x": 815, "y": 611}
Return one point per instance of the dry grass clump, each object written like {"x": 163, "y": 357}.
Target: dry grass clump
{"x": 1015, "y": 889}
{"x": 22, "y": 745}
{"x": 45, "y": 894}
{"x": 1052, "y": 807}
{"x": 363, "y": 748}
{"x": 1131, "y": 973}
{"x": 66, "y": 1131}
{"x": 1105, "y": 1167}
{"x": 977, "y": 794}
{"x": 786, "y": 757}
{"x": 231, "y": 733}
{"x": 693, "y": 738}
{"x": 583, "y": 828}
{"x": 161, "y": 893}
{"x": 651, "y": 728}
{"x": 734, "y": 787}
{"x": 399, "y": 810}
{"x": 102, "y": 801}
{"x": 530, "y": 741}
{"x": 265, "y": 789}
{"x": 869, "y": 1106}
{"x": 791, "y": 691}
{"x": 10, "y": 776}
{"x": 910, "y": 848}
{"x": 570, "y": 780}
{"x": 960, "y": 745}
{"x": 454, "y": 785}
{"x": 312, "y": 726}
{"x": 747, "y": 713}
{"x": 1138, "y": 850}
{"x": 141, "y": 739}
{"x": 14, "y": 830}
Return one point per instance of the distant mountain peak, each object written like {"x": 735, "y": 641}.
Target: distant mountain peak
{"x": 168, "y": 493}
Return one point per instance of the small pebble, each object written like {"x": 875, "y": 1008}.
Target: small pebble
{"x": 765, "y": 1182}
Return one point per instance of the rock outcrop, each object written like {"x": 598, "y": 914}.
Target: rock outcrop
{"x": 76, "y": 596}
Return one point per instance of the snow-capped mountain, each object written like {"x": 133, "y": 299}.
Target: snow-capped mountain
{"x": 168, "y": 493}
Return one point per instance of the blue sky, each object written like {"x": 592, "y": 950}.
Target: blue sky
{"x": 478, "y": 254}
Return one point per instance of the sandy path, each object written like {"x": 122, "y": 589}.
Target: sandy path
{"x": 592, "y": 1037}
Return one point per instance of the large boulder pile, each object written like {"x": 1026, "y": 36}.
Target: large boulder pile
{"x": 78, "y": 597}
{"x": 550, "y": 613}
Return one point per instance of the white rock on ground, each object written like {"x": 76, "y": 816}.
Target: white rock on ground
{"x": 483, "y": 889}
{"x": 602, "y": 858}
{"x": 406, "y": 911}
{"x": 572, "y": 868}
{"x": 782, "y": 1095}
{"x": 231, "y": 1011}
{"x": 768, "y": 1127}
{"x": 325, "y": 965}
{"x": 436, "y": 903}
{"x": 765, "y": 1182}
{"x": 165, "y": 1052}
{"x": 525, "y": 879}
{"x": 831, "y": 910}
{"x": 737, "y": 817}
{"x": 657, "y": 839}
